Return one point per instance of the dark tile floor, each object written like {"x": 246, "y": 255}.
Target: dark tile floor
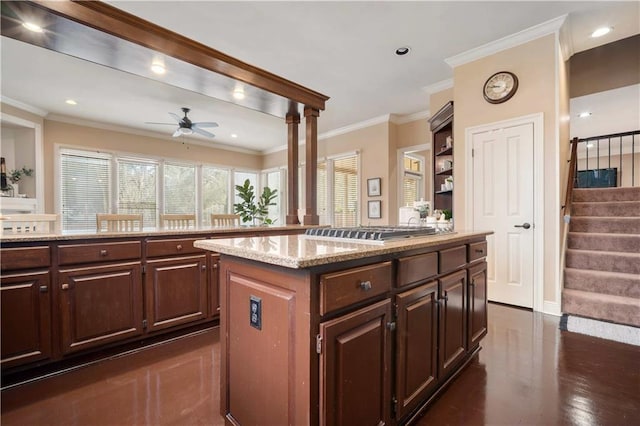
{"x": 528, "y": 373}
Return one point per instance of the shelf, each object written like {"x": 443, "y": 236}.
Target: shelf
{"x": 447, "y": 151}
{"x": 448, "y": 191}
{"x": 445, "y": 172}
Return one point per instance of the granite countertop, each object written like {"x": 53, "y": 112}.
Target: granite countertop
{"x": 152, "y": 232}
{"x": 300, "y": 251}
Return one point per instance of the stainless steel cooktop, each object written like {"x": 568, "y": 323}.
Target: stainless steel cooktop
{"x": 373, "y": 234}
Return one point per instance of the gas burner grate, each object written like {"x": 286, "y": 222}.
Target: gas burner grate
{"x": 371, "y": 233}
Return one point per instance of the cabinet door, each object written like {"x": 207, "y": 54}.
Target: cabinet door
{"x": 477, "y": 304}
{"x": 355, "y": 368}
{"x": 214, "y": 285}
{"x": 176, "y": 291}
{"x": 26, "y": 318}
{"x": 416, "y": 346}
{"x": 453, "y": 320}
{"x": 100, "y": 304}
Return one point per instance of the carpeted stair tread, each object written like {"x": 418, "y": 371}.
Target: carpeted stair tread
{"x": 603, "y": 261}
{"x": 606, "y": 194}
{"x": 606, "y": 208}
{"x": 605, "y": 224}
{"x": 604, "y": 241}
{"x": 618, "y": 309}
{"x": 605, "y": 282}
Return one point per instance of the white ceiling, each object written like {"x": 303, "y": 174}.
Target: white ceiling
{"x": 342, "y": 49}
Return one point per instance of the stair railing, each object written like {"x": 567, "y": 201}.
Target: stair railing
{"x": 607, "y": 147}
{"x": 571, "y": 178}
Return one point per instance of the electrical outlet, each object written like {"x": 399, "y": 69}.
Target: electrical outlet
{"x": 255, "y": 312}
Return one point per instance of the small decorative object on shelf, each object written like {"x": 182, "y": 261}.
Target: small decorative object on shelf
{"x": 16, "y": 175}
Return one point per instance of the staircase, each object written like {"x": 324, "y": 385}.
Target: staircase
{"x": 602, "y": 265}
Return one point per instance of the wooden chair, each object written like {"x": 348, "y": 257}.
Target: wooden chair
{"x": 177, "y": 221}
{"x": 118, "y": 222}
{"x": 225, "y": 220}
{"x": 30, "y": 223}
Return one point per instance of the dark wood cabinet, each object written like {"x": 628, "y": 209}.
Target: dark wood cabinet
{"x": 477, "y": 324}
{"x": 214, "y": 285}
{"x": 441, "y": 125}
{"x": 453, "y": 321}
{"x": 26, "y": 317}
{"x": 100, "y": 304}
{"x": 355, "y": 367}
{"x": 416, "y": 347}
{"x": 175, "y": 291}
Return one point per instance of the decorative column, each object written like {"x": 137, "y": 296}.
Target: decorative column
{"x": 292, "y": 119}
{"x": 311, "y": 168}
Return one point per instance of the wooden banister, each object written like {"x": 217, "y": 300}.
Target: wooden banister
{"x": 571, "y": 178}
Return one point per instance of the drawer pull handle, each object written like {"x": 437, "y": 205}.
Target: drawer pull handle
{"x": 44, "y": 289}
{"x": 65, "y": 286}
{"x": 365, "y": 285}
{"x": 179, "y": 247}
{"x": 479, "y": 251}
{"x": 103, "y": 252}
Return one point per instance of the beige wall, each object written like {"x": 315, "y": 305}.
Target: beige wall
{"x": 71, "y": 135}
{"x": 606, "y": 67}
{"x": 535, "y": 64}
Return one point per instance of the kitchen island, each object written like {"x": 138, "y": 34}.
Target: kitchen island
{"x": 345, "y": 333}
{"x": 69, "y": 296}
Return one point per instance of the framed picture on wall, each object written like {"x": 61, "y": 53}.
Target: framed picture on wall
{"x": 374, "y": 210}
{"x": 374, "y": 187}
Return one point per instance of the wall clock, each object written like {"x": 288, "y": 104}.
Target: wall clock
{"x": 500, "y": 87}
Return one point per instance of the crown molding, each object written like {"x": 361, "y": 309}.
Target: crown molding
{"x": 566, "y": 41}
{"x": 439, "y": 86}
{"x": 403, "y": 119}
{"x": 131, "y": 131}
{"x": 513, "y": 40}
{"x": 25, "y": 107}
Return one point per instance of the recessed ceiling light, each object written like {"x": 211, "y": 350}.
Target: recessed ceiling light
{"x": 70, "y": 102}
{"x": 401, "y": 51}
{"x": 233, "y": 135}
{"x": 158, "y": 68}
{"x": 238, "y": 93}
{"x": 601, "y": 31}
{"x": 32, "y": 27}
{"x": 584, "y": 114}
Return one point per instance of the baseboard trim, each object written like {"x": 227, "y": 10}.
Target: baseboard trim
{"x": 551, "y": 308}
{"x": 601, "y": 329}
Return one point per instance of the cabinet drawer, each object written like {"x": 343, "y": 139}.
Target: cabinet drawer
{"x": 25, "y": 258}
{"x": 417, "y": 268}
{"x": 99, "y": 252}
{"x": 344, "y": 288}
{"x": 171, "y": 247}
{"x": 452, "y": 259}
{"x": 477, "y": 251}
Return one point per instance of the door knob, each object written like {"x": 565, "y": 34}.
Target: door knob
{"x": 525, "y": 225}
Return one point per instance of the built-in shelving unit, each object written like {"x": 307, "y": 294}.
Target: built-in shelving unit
{"x": 442, "y": 129}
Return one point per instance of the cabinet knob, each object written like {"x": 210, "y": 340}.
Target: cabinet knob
{"x": 65, "y": 286}
{"x": 365, "y": 285}
{"x": 215, "y": 266}
{"x": 103, "y": 252}
{"x": 179, "y": 247}
{"x": 203, "y": 267}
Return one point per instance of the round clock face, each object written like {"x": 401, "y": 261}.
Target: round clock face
{"x": 500, "y": 87}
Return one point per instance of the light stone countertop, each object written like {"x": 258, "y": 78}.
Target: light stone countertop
{"x": 152, "y": 232}
{"x": 300, "y": 251}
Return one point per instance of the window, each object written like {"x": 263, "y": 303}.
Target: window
{"x": 179, "y": 189}
{"x": 215, "y": 192}
{"x": 85, "y": 188}
{"x": 322, "y": 201}
{"x": 239, "y": 178}
{"x": 137, "y": 189}
{"x": 273, "y": 179}
{"x": 412, "y": 180}
{"x": 345, "y": 191}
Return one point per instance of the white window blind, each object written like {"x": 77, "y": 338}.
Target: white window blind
{"x": 85, "y": 188}
{"x": 345, "y": 191}
{"x": 410, "y": 191}
{"x": 215, "y": 192}
{"x": 179, "y": 189}
{"x": 273, "y": 181}
{"x": 412, "y": 180}
{"x": 137, "y": 189}
{"x": 322, "y": 200}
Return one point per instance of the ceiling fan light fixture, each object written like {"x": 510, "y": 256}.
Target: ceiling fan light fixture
{"x": 32, "y": 27}
{"x": 186, "y": 131}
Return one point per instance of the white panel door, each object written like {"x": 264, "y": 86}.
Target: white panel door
{"x": 503, "y": 202}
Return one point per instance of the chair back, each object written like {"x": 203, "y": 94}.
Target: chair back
{"x": 106, "y": 222}
{"x": 30, "y": 223}
{"x": 177, "y": 221}
{"x": 225, "y": 220}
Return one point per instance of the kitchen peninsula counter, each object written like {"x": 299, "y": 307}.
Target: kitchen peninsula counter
{"x": 318, "y": 332}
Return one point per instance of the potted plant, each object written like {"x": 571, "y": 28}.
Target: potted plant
{"x": 248, "y": 210}
{"x": 16, "y": 176}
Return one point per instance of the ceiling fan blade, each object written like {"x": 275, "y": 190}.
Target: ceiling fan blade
{"x": 202, "y": 132}
{"x": 177, "y": 133}
{"x": 205, "y": 124}
{"x": 164, "y": 124}
{"x": 176, "y": 117}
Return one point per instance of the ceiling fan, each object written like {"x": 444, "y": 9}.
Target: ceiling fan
{"x": 188, "y": 127}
